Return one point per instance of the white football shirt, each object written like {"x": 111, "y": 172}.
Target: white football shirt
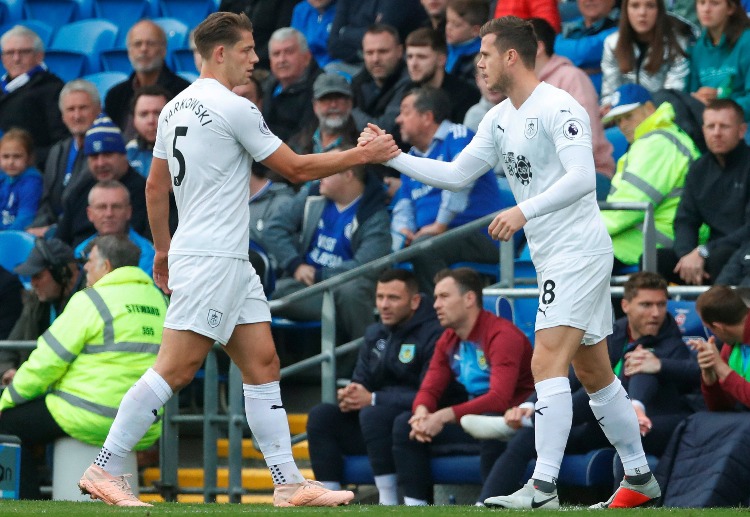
{"x": 210, "y": 137}
{"x": 526, "y": 142}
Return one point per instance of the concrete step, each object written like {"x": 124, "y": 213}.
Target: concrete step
{"x": 197, "y": 498}
{"x": 300, "y": 450}
{"x": 256, "y": 479}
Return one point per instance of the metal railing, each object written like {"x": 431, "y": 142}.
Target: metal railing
{"x": 214, "y": 420}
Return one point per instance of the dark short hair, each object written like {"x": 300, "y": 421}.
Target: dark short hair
{"x": 544, "y": 33}
{"x": 220, "y": 28}
{"x": 721, "y": 304}
{"x": 512, "y": 32}
{"x": 360, "y": 172}
{"x": 384, "y": 28}
{"x": 726, "y": 104}
{"x": 467, "y": 280}
{"x": 473, "y": 12}
{"x": 118, "y": 249}
{"x": 400, "y": 275}
{"x": 644, "y": 280}
{"x": 434, "y": 100}
{"x": 153, "y": 90}
{"x": 427, "y": 37}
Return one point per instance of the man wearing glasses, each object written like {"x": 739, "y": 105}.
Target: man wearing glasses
{"x": 29, "y": 91}
{"x": 109, "y": 211}
{"x": 147, "y": 48}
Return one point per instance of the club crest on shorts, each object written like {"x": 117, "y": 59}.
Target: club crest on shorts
{"x": 531, "y": 128}
{"x": 214, "y": 318}
{"x": 572, "y": 129}
{"x": 406, "y": 354}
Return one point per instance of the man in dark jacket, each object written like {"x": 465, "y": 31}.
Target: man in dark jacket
{"x": 716, "y": 195}
{"x": 647, "y": 353}
{"x": 288, "y": 94}
{"x": 66, "y": 163}
{"x": 392, "y": 362}
{"x": 354, "y": 17}
{"x": 29, "y": 92}
{"x": 379, "y": 87}
{"x": 147, "y": 48}
{"x": 105, "y": 151}
{"x": 325, "y": 230}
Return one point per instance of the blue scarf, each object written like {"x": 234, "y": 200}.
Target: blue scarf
{"x": 10, "y": 85}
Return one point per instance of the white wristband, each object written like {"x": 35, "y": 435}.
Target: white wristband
{"x": 372, "y": 400}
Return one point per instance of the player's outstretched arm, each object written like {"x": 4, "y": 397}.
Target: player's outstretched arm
{"x": 157, "y": 204}
{"x": 453, "y": 176}
{"x": 305, "y": 167}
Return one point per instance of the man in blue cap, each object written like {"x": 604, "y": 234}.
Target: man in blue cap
{"x": 105, "y": 151}
{"x": 653, "y": 170}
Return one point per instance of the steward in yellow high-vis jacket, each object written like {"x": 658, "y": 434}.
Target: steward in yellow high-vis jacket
{"x": 101, "y": 344}
{"x": 653, "y": 170}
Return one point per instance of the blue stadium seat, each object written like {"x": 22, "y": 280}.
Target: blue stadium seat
{"x": 84, "y": 40}
{"x": 591, "y": 469}
{"x": 44, "y": 30}
{"x": 11, "y": 11}
{"x": 65, "y": 64}
{"x": 55, "y": 13}
{"x": 687, "y": 318}
{"x": 191, "y": 12}
{"x": 15, "y": 247}
{"x": 446, "y": 470}
{"x": 116, "y": 60}
{"x": 176, "y": 31}
{"x": 181, "y": 60}
{"x": 105, "y": 80}
{"x": 123, "y": 13}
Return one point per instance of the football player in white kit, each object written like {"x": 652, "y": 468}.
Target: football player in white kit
{"x": 207, "y": 138}
{"x": 542, "y": 137}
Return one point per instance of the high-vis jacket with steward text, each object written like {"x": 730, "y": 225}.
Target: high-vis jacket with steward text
{"x": 101, "y": 344}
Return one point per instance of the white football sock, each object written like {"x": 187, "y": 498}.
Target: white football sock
{"x": 614, "y": 412}
{"x": 387, "y": 489}
{"x": 410, "y": 501}
{"x": 553, "y": 418}
{"x": 267, "y": 419}
{"x": 137, "y": 412}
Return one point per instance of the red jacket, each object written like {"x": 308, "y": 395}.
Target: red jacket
{"x": 508, "y": 353}
{"x": 546, "y": 9}
{"x": 724, "y": 395}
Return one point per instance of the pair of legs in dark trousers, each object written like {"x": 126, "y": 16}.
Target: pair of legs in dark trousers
{"x": 332, "y": 435}
{"x": 413, "y": 458}
{"x": 33, "y": 424}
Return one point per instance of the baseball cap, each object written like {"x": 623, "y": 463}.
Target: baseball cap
{"x": 325, "y": 84}
{"x": 57, "y": 253}
{"x": 103, "y": 137}
{"x": 625, "y": 99}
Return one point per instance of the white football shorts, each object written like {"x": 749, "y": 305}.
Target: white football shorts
{"x": 212, "y": 295}
{"x": 574, "y": 292}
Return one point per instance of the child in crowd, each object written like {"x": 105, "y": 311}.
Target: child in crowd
{"x": 20, "y": 182}
{"x": 464, "y": 18}
{"x": 720, "y": 59}
{"x": 646, "y": 50}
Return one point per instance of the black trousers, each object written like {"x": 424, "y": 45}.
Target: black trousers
{"x": 413, "y": 458}
{"x": 332, "y": 434}
{"x": 33, "y": 424}
{"x": 666, "y": 260}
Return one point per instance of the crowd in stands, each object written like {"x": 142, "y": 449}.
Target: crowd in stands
{"x": 670, "y": 77}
